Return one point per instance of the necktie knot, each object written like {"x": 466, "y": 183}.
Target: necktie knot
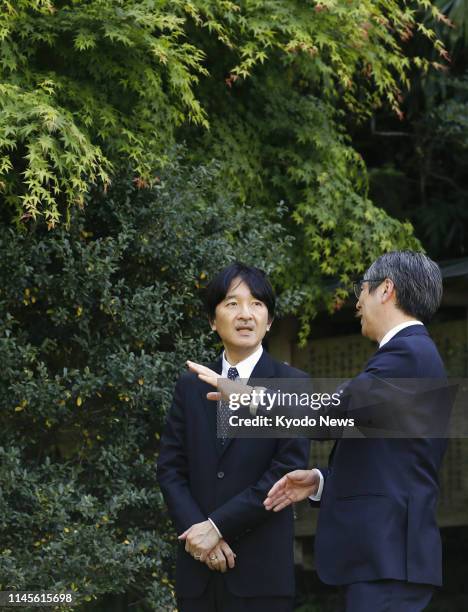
{"x": 233, "y": 374}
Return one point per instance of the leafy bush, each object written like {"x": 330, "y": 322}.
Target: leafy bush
{"x": 271, "y": 88}
{"x": 96, "y": 324}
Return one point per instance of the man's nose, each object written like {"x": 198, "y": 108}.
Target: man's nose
{"x": 245, "y": 312}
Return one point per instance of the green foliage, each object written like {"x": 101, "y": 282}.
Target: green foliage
{"x": 418, "y": 168}
{"x": 442, "y": 149}
{"x": 89, "y": 85}
{"x": 96, "y": 323}
{"x": 456, "y": 12}
{"x": 58, "y": 158}
{"x": 98, "y": 316}
{"x": 291, "y": 145}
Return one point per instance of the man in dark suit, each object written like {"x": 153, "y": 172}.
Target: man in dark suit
{"x": 237, "y": 555}
{"x": 377, "y": 534}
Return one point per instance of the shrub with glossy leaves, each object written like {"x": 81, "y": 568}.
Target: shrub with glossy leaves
{"x": 96, "y": 324}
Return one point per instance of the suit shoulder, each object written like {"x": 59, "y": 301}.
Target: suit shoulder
{"x": 407, "y": 356}
{"x": 186, "y": 378}
{"x": 396, "y": 348}
{"x": 287, "y": 371}
{"x": 411, "y": 344}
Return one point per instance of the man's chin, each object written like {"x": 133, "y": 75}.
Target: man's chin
{"x": 246, "y": 342}
{"x": 367, "y": 333}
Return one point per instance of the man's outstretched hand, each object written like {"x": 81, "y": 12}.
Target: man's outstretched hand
{"x": 206, "y": 375}
{"x": 293, "y": 487}
{"x": 224, "y": 386}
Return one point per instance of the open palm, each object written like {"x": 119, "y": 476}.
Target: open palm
{"x": 293, "y": 487}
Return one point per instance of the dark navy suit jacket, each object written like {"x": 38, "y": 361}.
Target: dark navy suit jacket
{"x": 377, "y": 516}
{"x": 200, "y": 480}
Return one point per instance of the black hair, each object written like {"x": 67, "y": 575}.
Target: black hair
{"x": 417, "y": 279}
{"x": 255, "y": 279}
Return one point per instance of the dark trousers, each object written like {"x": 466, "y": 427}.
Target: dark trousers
{"x": 217, "y": 598}
{"x": 386, "y": 596}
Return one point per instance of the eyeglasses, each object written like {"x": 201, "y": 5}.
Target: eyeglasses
{"x": 358, "y": 284}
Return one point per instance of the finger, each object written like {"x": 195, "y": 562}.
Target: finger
{"x": 214, "y": 396}
{"x": 271, "y": 500}
{"x": 278, "y": 498}
{"x": 221, "y": 562}
{"x": 194, "y": 367}
{"x": 208, "y": 379}
{"x": 184, "y": 535}
{"x": 203, "y": 555}
{"x": 283, "y": 504}
{"x": 211, "y": 563}
{"x": 277, "y": 487}
{"x": 228, "y": 554}
{"x": 201, "y": 369}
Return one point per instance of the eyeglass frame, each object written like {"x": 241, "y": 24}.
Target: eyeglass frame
{"x": 357, "y": 284}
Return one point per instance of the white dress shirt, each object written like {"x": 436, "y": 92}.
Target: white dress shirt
{"x": 244, "y": 367}
{"x": 388, "y": 336}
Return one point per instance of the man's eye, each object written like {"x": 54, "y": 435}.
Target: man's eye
{"x": 231, "y": 304}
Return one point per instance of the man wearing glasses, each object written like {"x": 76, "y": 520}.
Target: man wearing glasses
{"x": 377, "y": 535}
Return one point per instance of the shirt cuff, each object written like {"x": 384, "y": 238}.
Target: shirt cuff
{"x": 217, "y": 530}
{"x": 318, "y": 495}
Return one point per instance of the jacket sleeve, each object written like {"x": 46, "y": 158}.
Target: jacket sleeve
{"x": 375, "y": 400}
{"x": 245, "y": 510}
{"x": 172, "y": 470}
{"x": 382, "y": 398}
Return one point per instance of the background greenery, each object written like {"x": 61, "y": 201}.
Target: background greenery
{"x": 417, "y": 164}
{"x": 96, "y": 323}
{"x": 143, "y": 145}
{"x": 263, "y": 86}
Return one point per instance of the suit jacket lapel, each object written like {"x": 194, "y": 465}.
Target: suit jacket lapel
{"x": 264, "y": 368}
{"x": 210, "y": 406}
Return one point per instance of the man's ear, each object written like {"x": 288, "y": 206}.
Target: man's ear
{"x": 269, "y": 324}
{"x": 389, "y": 291}
{"x": 212, "y": 324}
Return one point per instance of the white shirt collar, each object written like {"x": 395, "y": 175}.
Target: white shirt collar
{"x": 389, "y": 335}
{"x": 244, "y": 367}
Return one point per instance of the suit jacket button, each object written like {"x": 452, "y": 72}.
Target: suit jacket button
{"x": 220, "y": 474}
